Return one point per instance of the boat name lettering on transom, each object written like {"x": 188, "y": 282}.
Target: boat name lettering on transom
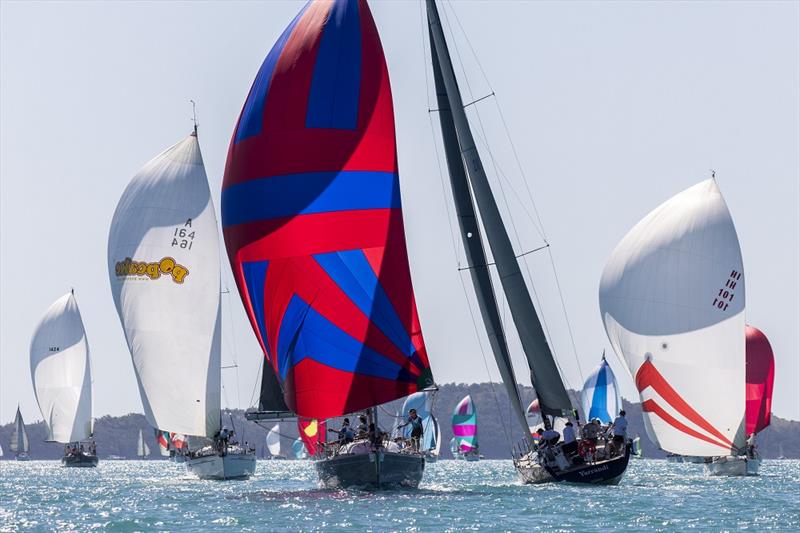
{"x": 152, "y": 270}
{"x": 183, "y": 237}
{"x": 725, "y": 295}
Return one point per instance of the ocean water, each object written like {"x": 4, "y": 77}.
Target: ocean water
{"x": 454, "y": 496}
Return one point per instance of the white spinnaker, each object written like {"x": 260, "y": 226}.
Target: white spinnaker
{"x": 672, "y": 300}
{"x": 164, "y": 267}
{"x": 274, "y": 440}
{"x": 61, "y": 373}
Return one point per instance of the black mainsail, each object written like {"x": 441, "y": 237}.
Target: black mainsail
{"x": 473, "y": 245}
{"x": 546, "y": 380}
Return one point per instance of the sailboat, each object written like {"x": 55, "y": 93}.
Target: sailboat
{"x": 432, "y": 439}
{"x": 465, "y": 429}
{"x": 142, "y": 449}
{"x": 162, "y": 438}
{"x": 299, "y": 449}
{"x": 312, "y": 220}
{"x": 636, "y": 447}
{"x": 600, "y": 394}
{"x": 454, "y": 449}
{"x": 422, "y": 403}
{"x": 672, "y": 300}
{"x": 164, "y": 269}
{"x": 19, "y": 439}
{"x": 470, "y": 187}
{"x": 62, "y": 380}
{"x": 759, "y": 379}
{"x": 274, "y": 442}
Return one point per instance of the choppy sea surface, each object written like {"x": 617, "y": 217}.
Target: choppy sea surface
{"x": 454, "y": 496}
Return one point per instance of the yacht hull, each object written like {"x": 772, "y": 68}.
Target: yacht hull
{"x": 733, "y": 466}
{"x": 373, "y": 470}
{"x": 222, "y": 467}
{"x": 80, "y": 460}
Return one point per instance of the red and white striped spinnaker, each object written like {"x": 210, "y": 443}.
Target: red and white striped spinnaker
{"x": 672, "y": 300}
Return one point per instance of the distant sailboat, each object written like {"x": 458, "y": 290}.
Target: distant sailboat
{"x": 19, "y": 439}
{"x": 62, "y": 380}
{"x": 465, "y": 429}
{"x": 600, "y": 394}
{"x": 432, "y": 439}
{"x": 454, "y": 449}
{"x": 164, "y": 269}
{"x": 162, "y": 438}
{"x": 299, "y": 449}
{"x": 142, "y": 449}
{"x": 475, "y": 204}
{"x": 636, "y": 447}
{"x": 274, "y": 442}
{"x": 672, "y": 300}
{"x": 313, "y": 225}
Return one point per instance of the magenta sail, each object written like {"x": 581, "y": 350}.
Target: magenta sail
{"x": 760, "y": 375}
{"x": 465, "y": 425}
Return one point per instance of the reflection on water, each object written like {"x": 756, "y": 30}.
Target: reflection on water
{"x": 454, "y": 496}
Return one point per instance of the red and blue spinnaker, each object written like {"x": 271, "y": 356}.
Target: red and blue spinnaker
{"x": 312, "y": 218}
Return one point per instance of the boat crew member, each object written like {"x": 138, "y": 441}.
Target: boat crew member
{"x": 362, "y": 429}
{"x": 619, "y": 428}
{"x": 750, "y": 448}
{"x": 589, "y": 440}
{"x": 345, "y": 433}
{"x": 416, "y": 428}
{"x": 551, "y": 436}
{"x": 570, "y": 446}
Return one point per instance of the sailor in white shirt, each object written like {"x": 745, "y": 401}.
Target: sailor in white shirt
{"x": 570, "y": 446}
{"x": 620, "y": 429}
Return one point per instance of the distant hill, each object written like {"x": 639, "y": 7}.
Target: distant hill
{"x": 117, "y": 435}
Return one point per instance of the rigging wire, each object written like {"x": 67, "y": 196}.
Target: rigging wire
{"x": 539, "y": 226}
{"x": 452, "y": 231}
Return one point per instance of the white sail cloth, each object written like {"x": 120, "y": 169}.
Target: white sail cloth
{"x": 672, "y": 300}
{"x": 61, "y": 373}
{"x": 142, "y": 449}
{"x": 274, "y": 440}
{"x": 164, "y": 268}
{"x": 19, "y": 437}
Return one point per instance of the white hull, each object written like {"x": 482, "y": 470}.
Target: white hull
{"x": 733, "y": 466}
{"x": 229, "y": 466}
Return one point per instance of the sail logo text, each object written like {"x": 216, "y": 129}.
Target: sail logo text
{"x": 153, "y": 270}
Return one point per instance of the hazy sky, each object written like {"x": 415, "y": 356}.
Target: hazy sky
{"x": 613, "y": 107}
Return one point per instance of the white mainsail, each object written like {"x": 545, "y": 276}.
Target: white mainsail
{"x": 19, "y": 436}
{"x": 61, "y": 373}
{"x": 274, "y": 440}
{"x": 164, "y": 267}
{"x": 142, "y": 449}
{"x": 672, "y": 300}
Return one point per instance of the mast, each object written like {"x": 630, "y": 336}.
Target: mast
{"x": 546, "y": 380}
{"x": 473, "y": 245}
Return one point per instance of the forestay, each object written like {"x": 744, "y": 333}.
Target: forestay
{"x": 312, "y": 218}
{"x": 672, "y": 300}
{"x": 164, "y": 268}
{"x": 61, "y": 373}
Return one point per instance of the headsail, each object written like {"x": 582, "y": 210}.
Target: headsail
{"x": 19, "y": 436}
{"x": 760, "y": 376}
{"x": 600, "y": 394}
{"x": 672, "y": 300}
{"x": 299, "y": 449}
{"x": 61, "y": 373}
{"x": 142, "y": 449}
{"x": 164, "y": 268}
{"x": 274, "y": 440}
{"x": 465, "y": 425}
{"x": 546, "y": 380}
{"x": 313, "y": 223}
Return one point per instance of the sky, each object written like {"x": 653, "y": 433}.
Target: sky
{"x": 612, "y": 108}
